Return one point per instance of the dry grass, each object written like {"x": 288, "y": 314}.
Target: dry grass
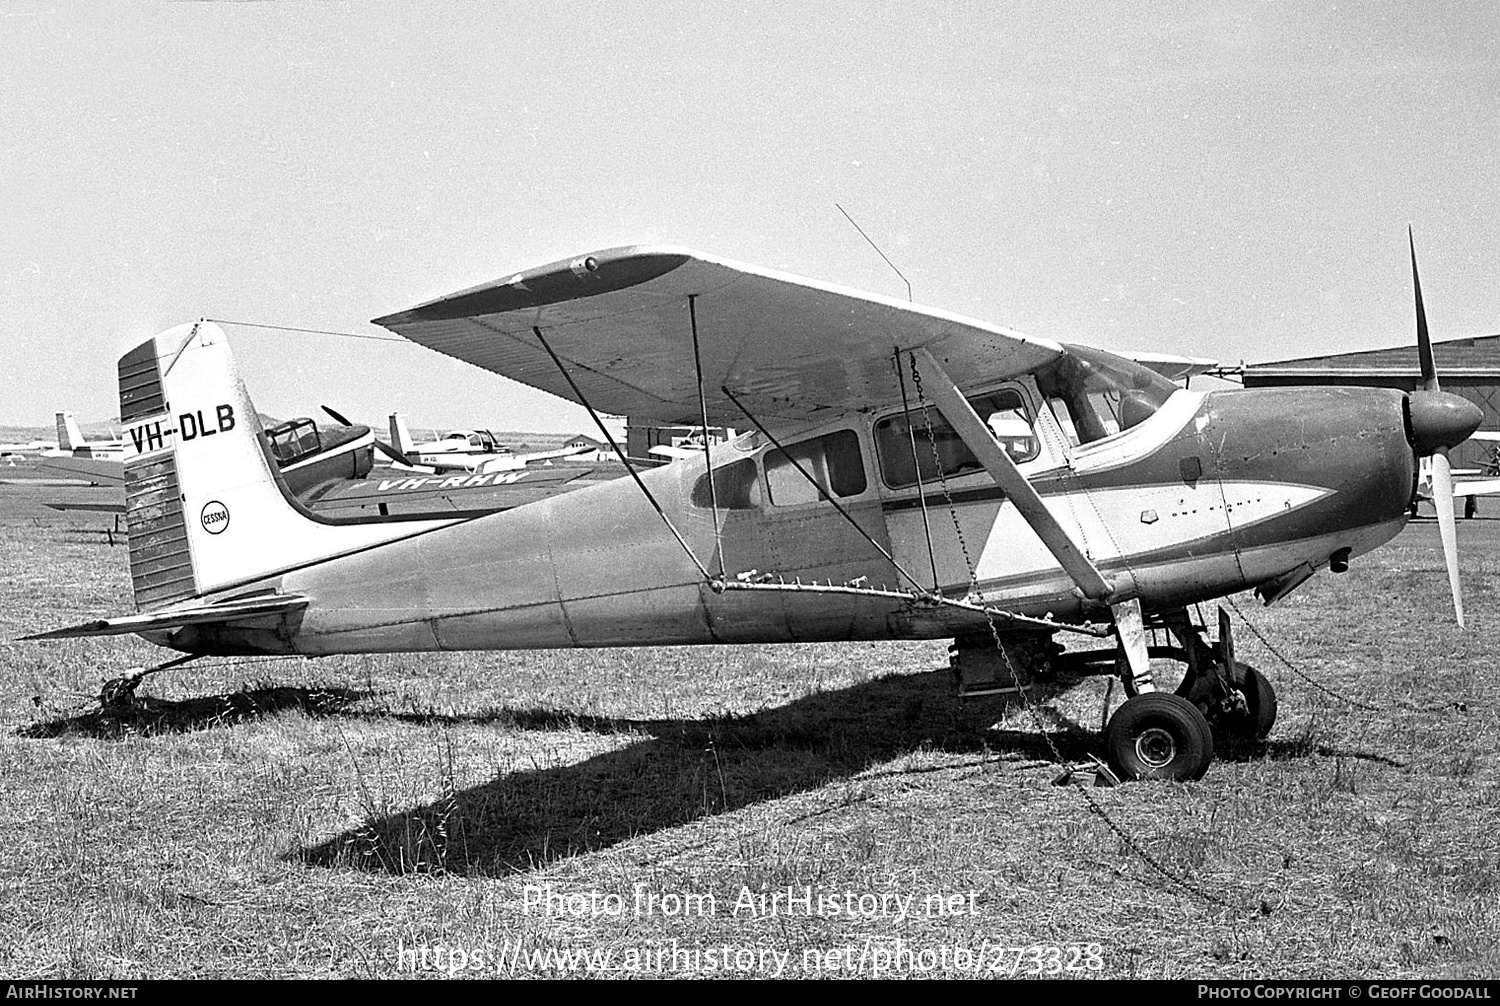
{"x": 299, "y": 818}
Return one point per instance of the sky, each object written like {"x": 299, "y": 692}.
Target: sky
{"x": 1226, "y": 180}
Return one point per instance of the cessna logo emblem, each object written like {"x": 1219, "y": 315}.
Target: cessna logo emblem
{"x": 215, "y": 517}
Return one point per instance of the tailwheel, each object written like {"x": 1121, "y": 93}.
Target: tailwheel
{"x": 1253, "y": 720}
{"x": 1156, "y": 735}
{"x": 1244, "y": 713}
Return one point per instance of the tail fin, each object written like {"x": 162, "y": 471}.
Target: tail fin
{"x": 207, "y": 508}
{"x": 400, "y": 435}
{"x": 69, "y": 437}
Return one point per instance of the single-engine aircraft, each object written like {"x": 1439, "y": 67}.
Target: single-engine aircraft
{"x": 478, "y": 452}
{"x": 906, "y": 473}
{"x": 76, "y": 457}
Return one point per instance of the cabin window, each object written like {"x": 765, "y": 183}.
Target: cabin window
{"x": 736, "y": 487}
{"x": 1003, "y": 411}
{"x": 833, "y": 461}
{"x": 1096, "y": 395}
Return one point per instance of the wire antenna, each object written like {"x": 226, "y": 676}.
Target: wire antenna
{"x": 877, "y": 250}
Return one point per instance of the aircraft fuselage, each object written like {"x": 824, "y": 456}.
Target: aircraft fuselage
{"x": 1212, "y": 494}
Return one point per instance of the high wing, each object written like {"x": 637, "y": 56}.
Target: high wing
{"x": 622, "y": 321}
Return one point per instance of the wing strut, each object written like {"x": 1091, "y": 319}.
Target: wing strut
{"x": 708, "y": 460}
{"x": 977, "y": 437}
{"x": 621, "y": 455}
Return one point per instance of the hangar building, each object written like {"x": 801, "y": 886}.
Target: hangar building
{"x": 1468, "y": 367}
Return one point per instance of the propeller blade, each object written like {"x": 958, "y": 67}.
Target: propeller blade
{"x": 392, "y": 453}
{"x": 1442, "y": 498}
{"x": 381, "y": 446}
{"x": 337, "y": 417}
{"x": 1424, "y": 342}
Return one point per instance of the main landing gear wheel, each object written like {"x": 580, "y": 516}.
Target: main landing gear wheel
{"x": 1156, "y": 735}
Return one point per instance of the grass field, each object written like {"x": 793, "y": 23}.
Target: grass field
{"x": 390, "y": 816}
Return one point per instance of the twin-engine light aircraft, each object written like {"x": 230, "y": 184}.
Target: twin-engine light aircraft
{"x": 905, "y": 473}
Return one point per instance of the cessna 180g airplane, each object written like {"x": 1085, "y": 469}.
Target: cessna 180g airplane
{"x": 905, "y": 473}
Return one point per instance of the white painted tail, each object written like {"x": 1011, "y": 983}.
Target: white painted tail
{"x": 69, "y": 436}
{"x": 207, "y": 508}
{"x": 400, "y": 435}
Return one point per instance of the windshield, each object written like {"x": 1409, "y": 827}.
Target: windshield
{"x": 1095, "y": 394}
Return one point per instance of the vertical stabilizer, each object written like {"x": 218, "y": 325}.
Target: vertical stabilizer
{"x": 207, "y": 508}
{"x": 400, "y": 435}
{"x": 69, "y": 437}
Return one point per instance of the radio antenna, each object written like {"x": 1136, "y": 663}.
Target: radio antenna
{"x": 877, "y": 250}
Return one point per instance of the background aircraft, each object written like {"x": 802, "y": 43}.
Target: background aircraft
{"x": 27, "y": 448}
{"x": 332, "y": 472}
{"x": 871, "y": 500}
{"x": 100, "y": 462}
{"x": 473, "y": 451}
{"x": 1465, "y": 485}
{"x": 691, "y": 445}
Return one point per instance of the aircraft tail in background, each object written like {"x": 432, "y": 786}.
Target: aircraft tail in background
{"x": 401, "y": 436}
{"x": 69, "y": 437}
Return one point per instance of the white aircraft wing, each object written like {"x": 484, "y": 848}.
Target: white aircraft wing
{"x": 1478, "y": 487}
{"x": 100, "y": 471}
{"x": 561, "y": 452}
{"x": 621, "y": 320}
{"x": 675, "y": 453}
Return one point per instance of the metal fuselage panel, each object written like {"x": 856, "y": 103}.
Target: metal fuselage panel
{"x": 1225, "y": 491}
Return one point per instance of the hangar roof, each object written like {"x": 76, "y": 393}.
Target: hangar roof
{"x": 1476, "y": 356}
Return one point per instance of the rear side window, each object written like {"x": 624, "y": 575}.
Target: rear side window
{"x": 833, "y": 461}
{"x": 736, "y": 487}
{"x": 1003, "y": 411}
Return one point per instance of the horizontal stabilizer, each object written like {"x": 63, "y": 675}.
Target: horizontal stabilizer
{"x": 226, "y": 612}
{"x": 68, "y": 505}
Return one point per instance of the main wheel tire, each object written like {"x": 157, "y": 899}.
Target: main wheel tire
{"x": 1158, "y": 736}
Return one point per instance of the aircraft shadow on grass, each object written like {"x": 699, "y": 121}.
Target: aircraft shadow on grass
{"x": 681, "y": 770}
{"x": 672, "y": 772}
